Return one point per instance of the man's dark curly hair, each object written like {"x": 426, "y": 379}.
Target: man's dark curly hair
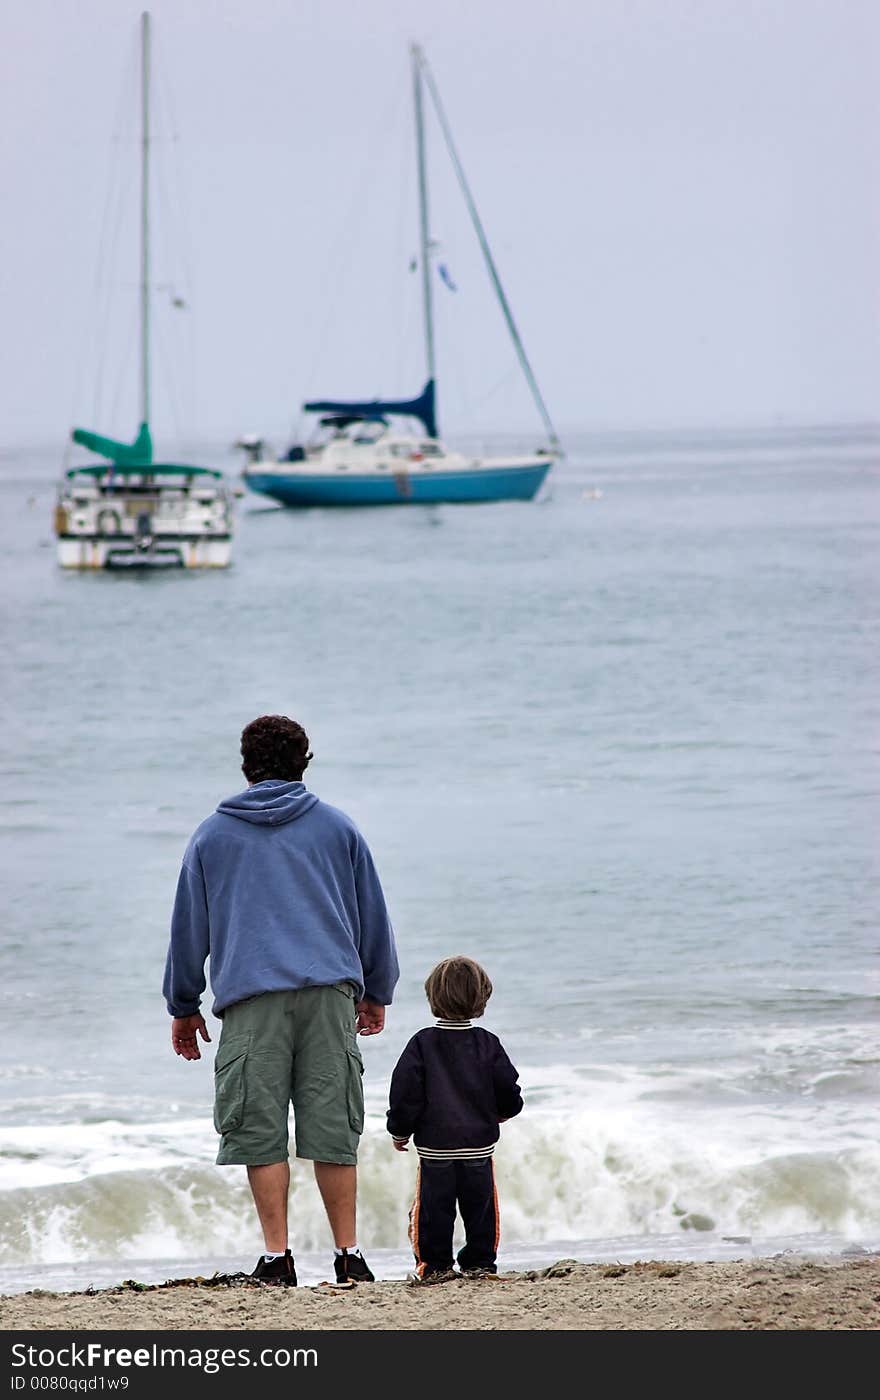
{"x": 274, "y": 746}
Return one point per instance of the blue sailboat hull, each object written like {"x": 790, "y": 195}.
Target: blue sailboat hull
{"x": 504, "y": 483}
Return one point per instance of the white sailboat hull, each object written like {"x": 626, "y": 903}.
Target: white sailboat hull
{"x": 371, "y": 465}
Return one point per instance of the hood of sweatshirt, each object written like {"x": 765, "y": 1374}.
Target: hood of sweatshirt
{"x": 272, "y": 803}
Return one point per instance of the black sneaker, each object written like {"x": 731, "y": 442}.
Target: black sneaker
{"x": 478, "y": 1269}
{"x": 432, "y": 1276}
{"x": 278, "y": 1270}
{"x": 352, "y": 1268}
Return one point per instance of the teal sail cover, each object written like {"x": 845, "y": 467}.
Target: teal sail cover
{"x": 124, "y": 454}
{"x": 130, "y": 457}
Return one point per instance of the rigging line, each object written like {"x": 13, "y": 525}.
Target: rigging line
{"x": 164, "y": 316}
{"x": 166, "y": 319}
{"x": 459, "y": 378}
{"x": 146, "y": 194}
{"x": 487, "y": 254}
{"x": 173, "y": 351}
{"x": 173, "y": 396}
{"x": 178, "y": 312}
{"x": 177, "y": 186}
{"x": 97, "y": 318}
{"x": 123, "y": 367}
{"x": 406, "y": 341}
{"x": 496, "y": 387}
{"x": 425, "y": 240}
{"x": 345, "y": 228}
{"x": 404, "y": 284}
{"x": 119, "y": 177}
{"x": 331, "y": 302}
{"x": 112, "y": 282}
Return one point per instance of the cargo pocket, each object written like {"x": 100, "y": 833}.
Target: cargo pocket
{"x": 229, "y": 1083}
{"x": 355, "y": 1089}
{"x": 349, "y": 991}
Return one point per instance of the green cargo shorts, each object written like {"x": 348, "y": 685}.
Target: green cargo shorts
{"x": 296, "y": 1047}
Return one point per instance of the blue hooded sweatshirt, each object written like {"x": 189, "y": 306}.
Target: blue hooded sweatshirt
{"x": 280, "y": 890}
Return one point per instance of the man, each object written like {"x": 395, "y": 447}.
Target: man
{"x": 279, "y": 890}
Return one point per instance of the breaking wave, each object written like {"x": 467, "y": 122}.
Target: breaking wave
{"x": 117, "y": 1191}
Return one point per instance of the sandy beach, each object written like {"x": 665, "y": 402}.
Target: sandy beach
{"x": 780, "y": 1293}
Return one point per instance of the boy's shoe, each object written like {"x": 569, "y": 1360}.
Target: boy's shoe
{"x": 479, "y": 1271}
{"x": 432, "y": 1276}
{"x": 278, "y": 1270}
{"x": 352, "y": 1268}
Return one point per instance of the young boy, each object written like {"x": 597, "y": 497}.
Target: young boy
{"x": 450, "y": 1089}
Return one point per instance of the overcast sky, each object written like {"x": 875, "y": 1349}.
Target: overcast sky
{"x": 683, "y": 197}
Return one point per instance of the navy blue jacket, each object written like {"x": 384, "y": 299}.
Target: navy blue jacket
{"x": 450, "y": 1087}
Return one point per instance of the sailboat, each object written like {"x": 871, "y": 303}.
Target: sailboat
{"x": 364, "y": 454}
{"x": 130, "y": 510}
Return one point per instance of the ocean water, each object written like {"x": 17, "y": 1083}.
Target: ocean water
{"x": 620, "y": 744}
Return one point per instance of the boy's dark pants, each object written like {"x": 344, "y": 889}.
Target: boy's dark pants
{"x": 439, "y": 1188}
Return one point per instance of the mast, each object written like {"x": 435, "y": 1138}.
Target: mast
{"x": 424, "y": 233}
{"x": 487, "y": 256}
{"x": 145, "y": 217}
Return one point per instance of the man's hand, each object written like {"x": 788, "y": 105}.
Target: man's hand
{"x": 400, "y": 1144}
{"x": 370, "y": 1017}
{"x": 183, "y": 1036}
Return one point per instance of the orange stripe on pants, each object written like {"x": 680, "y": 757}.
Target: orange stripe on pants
{"x": 413, "y": 1229}
{"x": 497, "y": 1210}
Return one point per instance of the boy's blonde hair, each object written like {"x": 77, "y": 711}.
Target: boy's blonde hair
{"x": 457, "y": 989}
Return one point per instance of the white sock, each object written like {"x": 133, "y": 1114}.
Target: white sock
{"x": 349, "y": 1249}
{"x": 279, "y": 1254}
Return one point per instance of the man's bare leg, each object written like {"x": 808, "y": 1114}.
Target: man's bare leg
{"x": 338, "y": 1187}
{"x": 269, "y": 1186}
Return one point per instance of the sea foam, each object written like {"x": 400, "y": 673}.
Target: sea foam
{"x": 615, "y": 1169}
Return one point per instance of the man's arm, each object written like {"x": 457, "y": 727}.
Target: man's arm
{"x": 188, "y": 950}
{"x": 377, "y": 949}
